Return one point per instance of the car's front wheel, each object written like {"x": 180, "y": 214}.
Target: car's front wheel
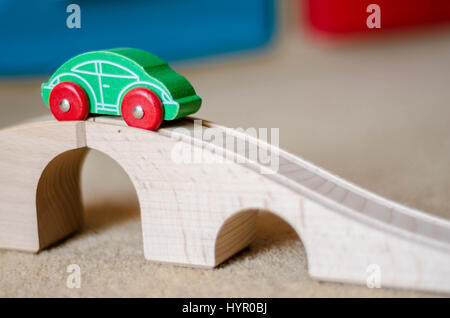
{"x": 142, "y": 108}
{"x": 69, "y": 101}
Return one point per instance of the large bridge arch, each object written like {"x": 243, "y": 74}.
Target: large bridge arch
{"x": 64, "y": 201}
{"x": 59, "y": 204}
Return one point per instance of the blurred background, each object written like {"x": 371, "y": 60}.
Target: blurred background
{"x": 363, "y": 92}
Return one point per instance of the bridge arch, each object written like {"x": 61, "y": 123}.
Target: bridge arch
{"x": 60, "y": 203}
{"x": 58, "y": 197}
{"x": 240, "y": 229}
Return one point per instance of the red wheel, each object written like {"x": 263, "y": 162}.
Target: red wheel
{"x": 142, "y": 108}
{"x": 69, "y": 101}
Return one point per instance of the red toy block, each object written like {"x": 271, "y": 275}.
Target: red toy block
{"x": 337, "y": 17}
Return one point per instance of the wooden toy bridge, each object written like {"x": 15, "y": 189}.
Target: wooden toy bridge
{"x": 200, "y": 214}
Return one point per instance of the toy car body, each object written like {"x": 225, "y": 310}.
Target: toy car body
{"x": 129, "y": 82}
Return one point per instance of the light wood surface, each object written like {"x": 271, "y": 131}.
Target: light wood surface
{"x": 58, "y": 197}
{"x": 28, "y": 181}
{"x": 193, "y": 214}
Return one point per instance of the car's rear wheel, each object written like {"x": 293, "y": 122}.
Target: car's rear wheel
{"x": 69, "y": 101}
{"x": 142, "y": 108}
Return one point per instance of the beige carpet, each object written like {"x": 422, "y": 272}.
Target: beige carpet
{"x": 376, "y": 113}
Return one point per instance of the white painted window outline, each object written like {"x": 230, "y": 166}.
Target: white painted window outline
{"x": 76, "y": 69}
{"x": 132, "y": 75}
{"x": 98, "y": 63}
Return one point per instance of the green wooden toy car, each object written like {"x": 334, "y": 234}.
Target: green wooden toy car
{"x": 132, "y": 83}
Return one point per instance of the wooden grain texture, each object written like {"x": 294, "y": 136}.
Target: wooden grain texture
{"x": 26, "y": 151}
{"x": 199, "y": 214}
{"x": 58, "y": 197}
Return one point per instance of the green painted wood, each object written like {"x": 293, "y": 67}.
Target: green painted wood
{"x": 108, "y": 75}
